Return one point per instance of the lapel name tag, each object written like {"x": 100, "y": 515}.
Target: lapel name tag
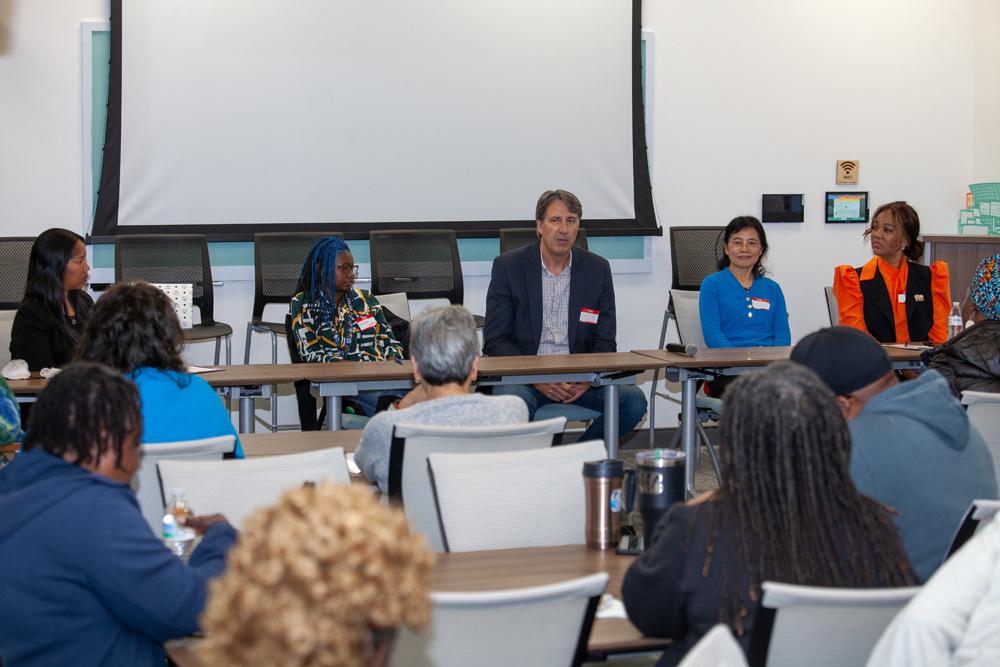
{"x": 366, "y": 323}
{"x": 760, "y": 304}
{"x": 901, "y": 297}
{"x": 589, "y": 316}
{"x": 918, "y": 297}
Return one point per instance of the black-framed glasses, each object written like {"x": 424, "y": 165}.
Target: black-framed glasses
{"x": 348, "y": 269}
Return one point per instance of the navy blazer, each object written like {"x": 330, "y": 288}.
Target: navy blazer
{"x": 514, "y": 304}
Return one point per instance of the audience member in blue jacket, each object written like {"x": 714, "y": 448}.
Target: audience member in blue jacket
{"x": 84, "y": 581}
{"x": 913, "y": 447}
{"x": 739, "y": 306}
{"x": 134, "y": 329}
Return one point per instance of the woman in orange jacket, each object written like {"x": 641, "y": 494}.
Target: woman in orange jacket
{"x": 893, "y": 297}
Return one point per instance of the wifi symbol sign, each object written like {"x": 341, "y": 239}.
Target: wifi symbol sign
{"x": 847, "y": 172}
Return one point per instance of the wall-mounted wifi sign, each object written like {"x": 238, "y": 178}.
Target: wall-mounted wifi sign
{"x": 847, "y": 172}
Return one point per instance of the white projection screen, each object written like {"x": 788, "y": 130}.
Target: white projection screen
{"x": 234, "y": 116}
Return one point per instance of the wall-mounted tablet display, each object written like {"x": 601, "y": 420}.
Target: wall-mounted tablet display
{"x": 847, "y": 207}
{"x": 781, "y": 208}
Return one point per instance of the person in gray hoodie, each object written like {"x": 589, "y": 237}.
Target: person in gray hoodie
{"x": 913, "y": 447}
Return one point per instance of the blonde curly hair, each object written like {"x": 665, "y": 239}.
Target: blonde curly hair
{"x": 313, "y": 578}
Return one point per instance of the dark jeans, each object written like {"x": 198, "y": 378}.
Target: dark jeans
{"x": 631, "y": 406}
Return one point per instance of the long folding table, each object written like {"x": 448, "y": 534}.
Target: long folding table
{"x": 710, "y": 363}
{"x": 605, "y": 369}
{"x": 518, "y": 568}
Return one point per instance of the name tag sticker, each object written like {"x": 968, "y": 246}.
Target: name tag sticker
{"x": 901, "y": 297}
{"x": 366, "y": 323}
{"x": 761, "y": 304}
{"x": 589, "y": 316}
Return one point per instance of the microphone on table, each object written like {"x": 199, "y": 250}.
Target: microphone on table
{"x": 690, "y": 349}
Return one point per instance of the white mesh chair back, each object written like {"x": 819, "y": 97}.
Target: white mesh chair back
{"x": 409, "y": 477}
{"x": 979, "y": 514}
{"x": 513, "y": 500}
{"x": 688, "y": 317}
{"x": 145, "y": 483}
{"x": 984, "y": 413}
{"x": 822, "y": 627}
{"x": 832, "y": 309}
{"x": 397, "y": 303}
{"x": 6, "y": 323}
{"x": 718, "y": 648}
{"x": 239, "y": 488}
{"x": 539, "y": 626}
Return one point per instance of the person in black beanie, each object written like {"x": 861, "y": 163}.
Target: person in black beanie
{"x": 913, "y": 447}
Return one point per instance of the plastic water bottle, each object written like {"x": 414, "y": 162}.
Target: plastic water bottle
{"x": 175, "y": 533}
{"x": 955, "y": 321}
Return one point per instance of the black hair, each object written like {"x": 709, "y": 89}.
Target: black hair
{"x": 788, "y": 507}
{"x": 133, "y": 325}
{"x": 908, "y": 223}
{"x": 86, "y": 410}
{"x": 738, "y": 224}
{"x": 50, "y": 253}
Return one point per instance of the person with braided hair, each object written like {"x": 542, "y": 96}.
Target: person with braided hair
{"x": 332, "y": 321}
{"x": 971, "y": 360}
{"x": 788, "y": 511}
{"x": 84, "y": 580}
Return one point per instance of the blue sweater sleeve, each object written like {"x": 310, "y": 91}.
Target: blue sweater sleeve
{"x": 711, "y": 314}
{"x": 779, "y": 321}
{"x": 144, "y": 586}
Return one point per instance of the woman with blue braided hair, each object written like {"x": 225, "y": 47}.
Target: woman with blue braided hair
{"x": 332, "y": 321}
{"x": 971, "y": 360}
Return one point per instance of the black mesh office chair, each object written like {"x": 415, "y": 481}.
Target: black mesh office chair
{"x": 694, "y": 255}
{"x": 14, "y": 254}
{"x": 512, "y": 238}
{"x": 422, "y": 263}
{"x": 278, "y": 258}
{"x": 176, "y": 258}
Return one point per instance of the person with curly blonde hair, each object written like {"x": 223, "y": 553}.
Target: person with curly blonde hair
{"x": 323, "y": 579}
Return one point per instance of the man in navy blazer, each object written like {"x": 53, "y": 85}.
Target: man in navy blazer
{"x": 552, "y": 297}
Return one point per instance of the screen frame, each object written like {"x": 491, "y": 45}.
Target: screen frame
{"x": 833, "y": 221}
{"x": 106, "y": 228}
{"x": 785, "y": 215}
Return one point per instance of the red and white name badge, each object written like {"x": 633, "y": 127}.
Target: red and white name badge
{"x": 901, "y": 297}
{"x": 366, "y": 323}
{"x": 589, "y": 316}
{"x": 760, "y": 304}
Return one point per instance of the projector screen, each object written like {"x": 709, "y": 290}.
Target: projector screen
{"x": 229, "y": 117}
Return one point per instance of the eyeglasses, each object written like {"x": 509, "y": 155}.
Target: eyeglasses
{"x": 751, "y": 244}
{"x": 348, "y": 269}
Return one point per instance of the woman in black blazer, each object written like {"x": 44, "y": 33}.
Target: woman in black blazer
{"x": 55, "y": 306}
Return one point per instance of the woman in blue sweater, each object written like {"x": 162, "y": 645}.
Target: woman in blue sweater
{"x": 740, "y": 307}
{"x": 134, "y": 330}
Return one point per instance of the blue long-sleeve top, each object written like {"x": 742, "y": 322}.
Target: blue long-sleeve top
{"x": 84, "y": 580}
{"x": 179, "y": 406}
{"x": 732, "y": 316}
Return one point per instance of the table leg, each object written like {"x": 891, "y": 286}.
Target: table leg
{"x": 246, "y": 414}
{"x": 689, "y": 440}
{"x": 334, "y": 416}
{"x": 611, "y": 420}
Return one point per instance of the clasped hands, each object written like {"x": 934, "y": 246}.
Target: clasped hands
{"x": 563, "y": 392}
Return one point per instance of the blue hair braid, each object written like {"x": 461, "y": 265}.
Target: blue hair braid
{"x": 319, "y": 273}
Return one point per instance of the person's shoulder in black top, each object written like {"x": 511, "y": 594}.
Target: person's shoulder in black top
{"x": 37, "y": 338}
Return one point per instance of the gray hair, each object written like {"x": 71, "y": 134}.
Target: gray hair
{"x": 444, "y": 344}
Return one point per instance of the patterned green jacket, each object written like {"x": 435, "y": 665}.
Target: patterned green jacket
{"x": 359, "y": 332}
{"x": 10, "y": 415}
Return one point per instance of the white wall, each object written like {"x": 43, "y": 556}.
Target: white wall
{"x": 986, "y": 100}
{"x": 41, "y": 145}
{"x": 748, "y": 97}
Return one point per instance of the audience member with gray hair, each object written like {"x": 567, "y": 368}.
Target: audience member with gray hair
{"x": 444, "y": 350}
